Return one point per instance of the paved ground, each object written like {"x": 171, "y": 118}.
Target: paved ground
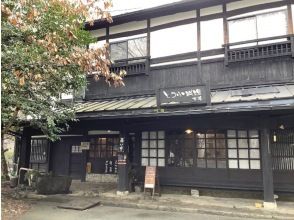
{"x": 48, "y": 211}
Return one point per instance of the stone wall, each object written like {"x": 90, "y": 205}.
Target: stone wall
{"x": 101, "y": 178}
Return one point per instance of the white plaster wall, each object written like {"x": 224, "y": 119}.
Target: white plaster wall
{"x": 98, "y": 33}
{"x": 130, "y": 26}
{"x": 247, "y": 3}
{"x": 172, "y": 18}
{"x": 211, "y": 10}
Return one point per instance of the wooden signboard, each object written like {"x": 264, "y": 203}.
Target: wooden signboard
{"x": 151, "y": 179}
{"x": 191, "y": 95}
{"x": 85, "y": 145}
{"x": 150, "y": 175}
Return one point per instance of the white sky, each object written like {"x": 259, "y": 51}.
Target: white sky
{"x": 123, "y": 6}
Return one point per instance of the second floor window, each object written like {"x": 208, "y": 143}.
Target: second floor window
{"x": 132, "y": 48}
{"x": 258, "y": 26}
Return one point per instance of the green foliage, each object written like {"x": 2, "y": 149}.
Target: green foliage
{"x": 44, "y": 53}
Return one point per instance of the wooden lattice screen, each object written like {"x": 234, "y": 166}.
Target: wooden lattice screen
{"x": 282, "y": 148}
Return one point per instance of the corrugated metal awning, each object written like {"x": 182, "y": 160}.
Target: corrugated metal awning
{"x": 247, "y": 97}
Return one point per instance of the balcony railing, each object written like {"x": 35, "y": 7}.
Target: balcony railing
{"x": 133, "y": 66}
{"x": 263, "y": 48}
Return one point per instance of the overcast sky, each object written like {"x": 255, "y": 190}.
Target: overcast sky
{"x": 123, "y": 6}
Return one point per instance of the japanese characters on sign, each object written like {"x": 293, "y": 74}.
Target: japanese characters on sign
{"x": 85, "y": 145}
{"x": 150, "y": 175}
{"x": 183, "y": 95}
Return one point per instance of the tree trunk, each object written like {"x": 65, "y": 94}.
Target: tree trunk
{"x": 4, "y": 167}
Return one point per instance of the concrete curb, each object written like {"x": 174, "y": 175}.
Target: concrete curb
{"x": 200, "y": 210}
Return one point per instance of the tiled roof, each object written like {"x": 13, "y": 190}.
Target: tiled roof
{"x": 226, "y": 98}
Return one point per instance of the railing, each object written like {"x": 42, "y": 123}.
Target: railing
{"x": 133, "y": 66}
{"x": 284, "y": 46}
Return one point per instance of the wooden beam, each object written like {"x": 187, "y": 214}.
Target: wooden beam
{"x": 290, "y": 19}
{"x": 225, "y": 25}
{"x": 267, "y": 171}
{"x": 199, "y": 69}
{"x": 25, "y": 151}
{"x": 255, "y": 8}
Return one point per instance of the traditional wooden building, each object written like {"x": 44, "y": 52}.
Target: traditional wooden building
{"x": 209, "y": 100}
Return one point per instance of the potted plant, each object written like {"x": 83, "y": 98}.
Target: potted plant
{"x": 13, "y": 179}
{"x": 31, "y": 176}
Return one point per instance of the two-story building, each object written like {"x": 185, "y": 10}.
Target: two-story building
{"x": 209, "y": 100}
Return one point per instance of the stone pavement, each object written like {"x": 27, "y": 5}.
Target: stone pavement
{"x": 233, "y": 207}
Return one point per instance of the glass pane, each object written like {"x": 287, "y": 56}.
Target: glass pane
{"x": 161, "y": 153}
{"x": 153, "y": 162}
{"x": 233, "y": 164}
{"x": 253, "y": 133}
{"x": 220, "y": 143}
{"x": 153, "y": 135}
{"x": 137, "y": 47}
{"x": 161, "y": 162}
{"x": 211, "y": 164}
{"x": 243, "y": 154}
{"x": 153, "y": 153}
{"x": 144, "y": 161}
{"x": 210, "y": 153}
{"x": 201, "y": 153}
{"x": 144, "y": 153}
{"x": 161, "y": 144}
{"x": 243, "y": 164}
{"x": 212, "y": 41}
{"x": 153, "y": 144}
{"x": 188, "y": 163}
{"x": 145, "y": 135}
{"x": 144, "y": 144}
{"x": 243, "y": 143}
{"x": 200, "y": 135}
{"x": 254, "y": 164}
{"x": 201, "y": 163}
{"x": 210, "y": 135}
{"x": 254, "y": 154}
{"x": 221, "y": 164}
{"x": 242, "y": 134}
{"x": 231, "y": 133}
{"x": 242, "y": 29}
{"x": 221, "y": 153}
{"x": 118, "y": 51}
{"x": 161, "y": 135}
{"x": 232, "y": 143}
{"x": 277, "y": 27}
{"x": 254, "y": 143}
{"x": 220, "y": 135}
{"x": 175, "y": 40}
{"x": 232, "y": 153}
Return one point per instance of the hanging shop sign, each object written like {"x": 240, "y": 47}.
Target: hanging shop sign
{"x": 85, "y": 146}
{"x": 199, "y": 95}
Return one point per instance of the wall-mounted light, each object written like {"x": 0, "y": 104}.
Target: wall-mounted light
{"x": 188, "y": 131}
{"x": 282, "y": 127}
{"x": 275, "y": 138}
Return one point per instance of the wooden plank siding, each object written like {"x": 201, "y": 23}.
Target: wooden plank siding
{"x": 215, "y": 74}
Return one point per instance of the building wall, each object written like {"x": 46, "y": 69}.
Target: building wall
{"x": 214, "y": 74}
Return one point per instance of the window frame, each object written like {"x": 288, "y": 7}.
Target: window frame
{"x": 127, "y": 42}
{"x": 95, "y": 151}
{"x": 148, "y": 148}
{"x": 256, "y": 23}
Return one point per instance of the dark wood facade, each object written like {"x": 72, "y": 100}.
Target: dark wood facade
{"x": 267, "y": 62}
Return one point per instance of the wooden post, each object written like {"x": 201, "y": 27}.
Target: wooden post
{"x": 122, "y": 166}
{"x": 267, "y": 171}
{"x": 226, "y": 33}
{"x": 25, "y": 152}
{"x": 290, "y": 18}
{"x": 148, "y": 47}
